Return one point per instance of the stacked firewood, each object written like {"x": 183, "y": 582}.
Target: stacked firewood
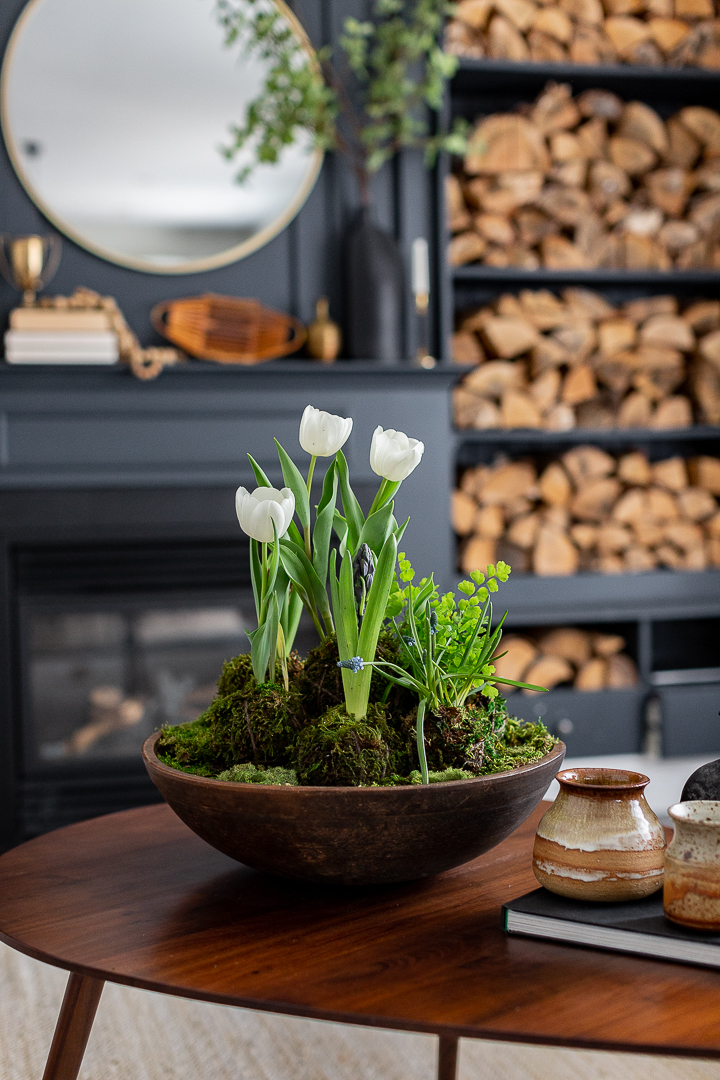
{"x": 574, "y": 360}
{"x": 576, "y": 184}
{"x": 647, "y": 32}
{"x": 566, "y": 655}
{"x": 589, "y": 510}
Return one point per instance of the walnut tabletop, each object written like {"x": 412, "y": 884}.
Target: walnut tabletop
{"x": 137, "y": 898}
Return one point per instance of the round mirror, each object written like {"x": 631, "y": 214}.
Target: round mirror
{"x": 115, "y": 114}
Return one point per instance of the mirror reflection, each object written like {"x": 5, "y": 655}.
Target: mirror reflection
{"x": 115, "y": 114}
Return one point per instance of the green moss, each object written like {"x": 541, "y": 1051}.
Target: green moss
{"x": 236, "y": 676}
{"x": 258, "y": 724}
{"x": 520, "y": 744}
{"x": 340, "y": 751}
{"x": 249, "y": 774}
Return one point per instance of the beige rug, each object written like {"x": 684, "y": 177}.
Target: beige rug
{"x": 143, "y": 1036}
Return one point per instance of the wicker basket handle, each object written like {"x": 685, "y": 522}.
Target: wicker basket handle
{"x": 157, "y": 316}
{"x": 299, "y": 333}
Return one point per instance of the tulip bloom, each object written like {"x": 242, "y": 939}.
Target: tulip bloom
{"x": 322, "y": 434}
{"x": 256, "y": 512}
{"x": 393, "y": 455}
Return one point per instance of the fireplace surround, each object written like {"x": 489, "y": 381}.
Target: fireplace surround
{"x": 123, "y": 573}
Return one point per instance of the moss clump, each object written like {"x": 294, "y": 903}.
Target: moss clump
{"x": 441, "y": 777}
{"x": 236, "y": 676}
{"x": 259, "y": 724}
{"x": 249, "y": 774}
{"x": 340, "y": 751}
{"x": 519, "y": 744}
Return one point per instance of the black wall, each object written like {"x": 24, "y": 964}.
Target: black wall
{"x": 290, "y": 272}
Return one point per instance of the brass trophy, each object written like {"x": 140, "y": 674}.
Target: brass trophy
{"x": 29, "y": 262}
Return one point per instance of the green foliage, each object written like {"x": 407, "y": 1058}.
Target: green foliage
{"x": 441, "y": 777}
{"x": 340, "y": 751}
{"x": 368, "y": 99}
{"x": 249, "y": 774}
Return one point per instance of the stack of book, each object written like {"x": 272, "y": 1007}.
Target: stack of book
{"x": 60, "y": 336}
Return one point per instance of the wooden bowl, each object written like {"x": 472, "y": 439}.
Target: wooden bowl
{"x": 354, "y": 835}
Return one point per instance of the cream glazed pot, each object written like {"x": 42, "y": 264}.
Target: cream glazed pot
{"x": 600, "y": 840}
{"x": 692, "y": 865}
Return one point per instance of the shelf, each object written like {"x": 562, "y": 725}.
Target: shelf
{"x": 534, "y": 439}
{"x": 590, "y": 598}
{"x": 477, "y": 72}
{"x": 664, "y": 279}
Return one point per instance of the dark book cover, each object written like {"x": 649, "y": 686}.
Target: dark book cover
{"x": 638, "y": 926}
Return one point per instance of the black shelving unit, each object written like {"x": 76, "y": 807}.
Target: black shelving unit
{"x": 649, "y": 608}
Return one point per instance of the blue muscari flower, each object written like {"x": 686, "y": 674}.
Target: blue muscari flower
{"x": 409, "y": 640}
{"x": 354, "y": 664}
{"x": 433, "y": 622}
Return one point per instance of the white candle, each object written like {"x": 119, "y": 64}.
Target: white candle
{"x": 420, "y": 267}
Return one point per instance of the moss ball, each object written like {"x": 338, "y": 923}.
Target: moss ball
{"x": 257, "y": 725}
{"x": 340, "y": 751}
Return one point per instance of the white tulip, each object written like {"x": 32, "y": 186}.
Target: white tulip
{"x": 256, "y": 512}
{"x": 394, "y": 456}
{"x": 322, "y": 433}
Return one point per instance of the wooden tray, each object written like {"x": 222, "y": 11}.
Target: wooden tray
{"x": 227, "y": 329}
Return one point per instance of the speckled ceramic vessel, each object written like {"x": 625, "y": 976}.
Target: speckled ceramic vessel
{"x": 600, "y": 840}
{"x": 691, "y": 894}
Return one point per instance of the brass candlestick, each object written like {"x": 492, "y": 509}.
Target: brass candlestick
{"x": 29, "y": 262}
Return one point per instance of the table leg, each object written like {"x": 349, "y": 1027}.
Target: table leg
{"x": 447, "y": 1057}
{"x": 72, "y": 1030}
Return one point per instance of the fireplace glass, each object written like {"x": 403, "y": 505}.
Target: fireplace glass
{"x": 102, "y": 677}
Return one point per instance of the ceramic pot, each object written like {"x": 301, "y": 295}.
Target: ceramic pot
{"x": 691, "y": 893}
{"x": 354, "y": 835}
{"x": 600, "y": 840}
{"x": 374, "y": 292}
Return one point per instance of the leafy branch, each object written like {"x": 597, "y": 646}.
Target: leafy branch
{"x": 366, "y": 99}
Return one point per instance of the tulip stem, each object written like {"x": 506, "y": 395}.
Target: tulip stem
{"x": 311, "y": 470}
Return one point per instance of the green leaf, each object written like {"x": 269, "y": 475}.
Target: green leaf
{"x": 377, "y": 528}
{"x": 353, "y": 514}
{"x": 400, "y": 531}
{"x": 256, "y": 574}
{"x": 293, "y": 480}
{"x": 260, "y": 477}
{"x": 294, "y": 535}
{"x": 341, "y": 528}
{"x": 420, "y": 739}
{"x": 324, "y": 523}
{"x": 301, "y": 571}
{"x": 377, "y": 599}
{"x": 344, "y": 609}
{"x": 262, "y": 643}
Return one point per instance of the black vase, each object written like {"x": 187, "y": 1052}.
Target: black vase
{"x": 374, "y": 293}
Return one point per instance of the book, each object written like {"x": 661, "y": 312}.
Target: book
{"x": 34, "y": 318}
{"x": 26, "y": 347}
{"x": 638, "y": 926}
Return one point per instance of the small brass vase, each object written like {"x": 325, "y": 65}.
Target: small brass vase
{"x": 29, "y": 262}
{"x": 323, "y": 335}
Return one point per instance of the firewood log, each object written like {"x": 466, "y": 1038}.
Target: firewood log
{"x": 609, "y": 564}
{"x": 584, "y": 536}
{"x": 463, "y": 510}
{"x": 544, "y": 390}
{"x": 567, "y": 643}
{"x": 587, "y": 463}
{"x": 519, "y": 410}
{"x": 542, "y": 308}
{"x": 705, "y": 473}
{"x": 671, "y": 474}
{"x": 509, "y": 337}
{"x": 592, "y": 675}
{"x": 695, "y": 504}
{"x": 683, "y": 147}
{"x": 478, "y": 554}
{"x": 673, "y": 412}
{"x": 507, "y": 482}
{"x": 566, "y": 205}
{"x": 661, "y": 506}
{"x": 471, "y": 411}
{"x": 560, "y": 418}
{"x": 616, "y": 335}
{"x": 519, "y": 653}
{"x": 701, "y": 122}
{"x": 505, "y": 42}
{"x": 635, "y": 468}
{"x": 493, "y": 377}
{"x": 670, "y": 189}
{"x": 667, "y": 331}
{"x": 473, "y": 480}
{"x": 709, "y": 348}
{"x": 595, "y": 499}
{"x": 635, "y": 411}
{"x": 712, "y": 526}
{"x": 620, "y": 673}
{"x": 506, "y": 142}
{"x": 495, "y": 228}
{"x": 555, "y": 486}
{"x": 579, "y": 385}
{"x": 554, "y": 553}
{"x": 676, "y": 236}
{"x": 648, "y": 533}
{"x": 457, "y": 214}
{"x": 555, "y": 109}
{"x": 559, "y": 253}
{"x": 606, "y": 645}
{"x": 545, "y": 49}
{"x": 466, "y": 348}
{"x": 632, "y": 507}
{"x": 686, "y": 536}
{"x": 548, "y": 672}
{"x": 474, "y": 13}
{"x": 712, "y": 551}
{"x": 613, "y": 539}
{"x": 705, "y": 379}
{"x": 641, "y": 123}
{"x": 638, "y": 559}
{"x": 578, "y": 338}
{"x": 522, "y": 532}
{"x": 667, "y": 33}
{"x": 644, "y": 253}
{"x": 466, "y": 247}
{"x": 703, "y": 316}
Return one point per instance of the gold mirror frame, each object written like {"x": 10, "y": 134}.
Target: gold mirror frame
{"x": 224, "y": 258}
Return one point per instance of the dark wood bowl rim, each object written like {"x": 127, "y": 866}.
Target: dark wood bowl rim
{"x": 152, "y": 760}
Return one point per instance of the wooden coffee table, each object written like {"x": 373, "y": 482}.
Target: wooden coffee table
{"x": 136, "y": 898}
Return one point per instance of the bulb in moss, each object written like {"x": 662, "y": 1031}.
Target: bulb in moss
{"x": 340, "y": 751}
